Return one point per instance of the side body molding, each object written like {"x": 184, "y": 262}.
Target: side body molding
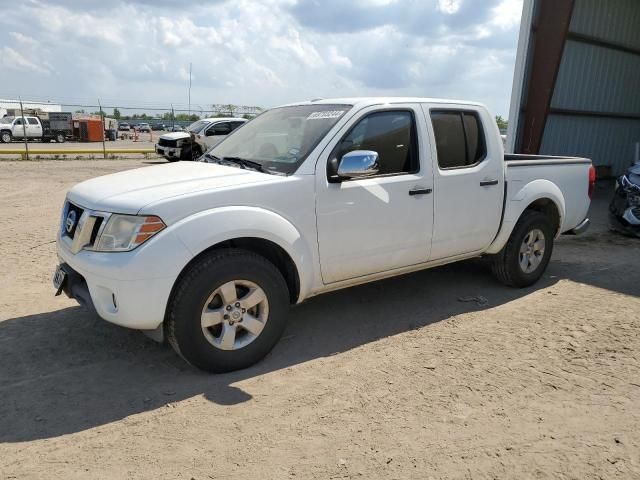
{"x": 208, "y": 228}
{"x": 519, "y": 197}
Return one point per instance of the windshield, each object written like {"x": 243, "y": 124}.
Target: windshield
{"x": 197, "y": 126}
{"x": 6, "y": 120}
{"x": 280, "y": 139}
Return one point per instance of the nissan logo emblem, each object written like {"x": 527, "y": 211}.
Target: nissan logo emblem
{"x": 70, "y": 222}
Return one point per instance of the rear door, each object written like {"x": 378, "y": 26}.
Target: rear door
{"x": 34, "y": 129}
{"x": 468, "y": 181}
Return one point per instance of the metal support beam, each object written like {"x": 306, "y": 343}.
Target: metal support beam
{"x": 550, "y": 38}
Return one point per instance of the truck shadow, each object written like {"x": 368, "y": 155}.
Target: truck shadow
{"x": 67, "y": 371}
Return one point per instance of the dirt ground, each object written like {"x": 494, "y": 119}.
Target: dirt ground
{"x": 395, "y": 379}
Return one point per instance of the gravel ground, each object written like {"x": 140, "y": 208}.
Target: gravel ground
{"x": 394, "y": 379}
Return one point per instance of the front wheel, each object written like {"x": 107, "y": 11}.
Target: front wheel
{"x": 5, "y": 137}
{"x": 526, "y": 255}
{"x": 228, "y": 310}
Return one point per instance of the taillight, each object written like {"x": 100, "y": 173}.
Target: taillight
{"x": 592, "y": 180}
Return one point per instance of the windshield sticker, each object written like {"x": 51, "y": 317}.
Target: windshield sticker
{"x": 325, "y": 115}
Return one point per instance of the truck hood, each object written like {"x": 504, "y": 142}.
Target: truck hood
{"x": 129, "y": 191}
{"x": 175, "y": 135}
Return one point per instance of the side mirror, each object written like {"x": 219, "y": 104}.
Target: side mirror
{"x": 359, "y": 164}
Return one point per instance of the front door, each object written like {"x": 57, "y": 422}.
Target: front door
{"x": 380, "y": 223}
{"x": 468, "y": 182}
{"x": 19, "y": 128}
{"x": 215, "y": 133}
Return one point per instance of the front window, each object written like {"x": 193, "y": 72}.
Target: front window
{"x": 197, "y": 127}
{"x": 280, "y": 139}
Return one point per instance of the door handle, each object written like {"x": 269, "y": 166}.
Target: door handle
{"x": 420, "y": 191}
{"x": 489, "y": 183}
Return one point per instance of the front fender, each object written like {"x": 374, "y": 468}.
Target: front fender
{"x": 518, "y": 199}
{"x": 206, "y": 229}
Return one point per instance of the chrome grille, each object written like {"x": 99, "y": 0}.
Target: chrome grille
{"x": 81, "y": 228}
{"x": 163, "y": 142}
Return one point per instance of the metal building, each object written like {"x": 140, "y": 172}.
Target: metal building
{"x": 6, "y": 104}
{"x": 576, "y": 88}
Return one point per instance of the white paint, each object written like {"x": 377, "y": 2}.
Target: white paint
{"x": 338, "y": 235}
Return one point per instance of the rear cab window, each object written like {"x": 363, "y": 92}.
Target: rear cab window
{"x": 460, "y": 138}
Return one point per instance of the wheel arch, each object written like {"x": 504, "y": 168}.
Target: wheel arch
{"x": 254, "y": 229}
{"x": 540, "y": 195}
{"x": 261, "y": 246}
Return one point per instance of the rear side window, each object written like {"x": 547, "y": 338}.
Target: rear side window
{"x": 391, "y": 134}
{"x": 32, "y": 121}
{"x": 459, "y": 137}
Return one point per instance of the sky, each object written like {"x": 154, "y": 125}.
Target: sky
{"x": 262, "y": 53}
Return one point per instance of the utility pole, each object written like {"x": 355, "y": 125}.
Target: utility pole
{"x": 24, "y": 129}
{"x": 189, "y": 88}
{"x": 104, "y": 148}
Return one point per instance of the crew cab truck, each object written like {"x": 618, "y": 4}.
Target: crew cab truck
{"x": 45, "y": 127}
{"x": 197, "y": 139}
{"x": 305, "y": 199}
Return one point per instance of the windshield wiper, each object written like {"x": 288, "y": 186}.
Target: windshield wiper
{"x": 244, "y": 163}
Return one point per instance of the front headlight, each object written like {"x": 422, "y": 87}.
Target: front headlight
{"x": 123, "y": 233}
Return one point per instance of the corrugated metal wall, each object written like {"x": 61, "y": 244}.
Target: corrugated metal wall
{"x": 594, "y": 78}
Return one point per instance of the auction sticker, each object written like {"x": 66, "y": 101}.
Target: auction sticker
{"x": 326, "y": 114}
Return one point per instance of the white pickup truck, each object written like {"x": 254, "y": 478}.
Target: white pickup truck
{"x": 197, "y": 139}
{"x": 305, "y": 199}
{"x": 52, "y": 126}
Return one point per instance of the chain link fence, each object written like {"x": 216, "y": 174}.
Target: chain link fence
{"x": 135, "y": 127}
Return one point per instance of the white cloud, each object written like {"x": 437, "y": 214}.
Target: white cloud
{"x": 449, "y": 6}
{"x": 12, "y": 60}
{"x": 259, "y": 52}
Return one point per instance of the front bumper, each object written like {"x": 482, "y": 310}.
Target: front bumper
{"x": 168, "y": 152}
{"x": 130, "y": 289}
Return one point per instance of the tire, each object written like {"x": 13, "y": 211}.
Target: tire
{"x": 60, "y": 137}
{"x": 196, "y": 152}
{"x": 6, "y": 137}
{"x": 507, "y": 265}
{"x": 206, "y": 284}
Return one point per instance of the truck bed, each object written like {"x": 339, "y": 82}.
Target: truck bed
{"x": 517, "y": 160}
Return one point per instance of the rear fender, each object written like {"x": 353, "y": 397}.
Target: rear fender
{"x": 518, "y": 200}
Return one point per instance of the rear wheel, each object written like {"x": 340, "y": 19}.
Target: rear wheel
{"x": 228, "y": 311}
{"x": 60, "y": 137}
{"x": 6, "y": 137}
{"x": 526, "y": 255}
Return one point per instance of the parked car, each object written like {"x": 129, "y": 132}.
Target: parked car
{"x": 217, "y": 131}
{"x": 197, "y": 139}
{"x": 624, "y": 209}
{"x": 305, "y": 199}
{"x": 158, "y": 126}
{"x": 124, "y": 127}
{"x": 45, "y": 127}
{"x": 144, "y": 127}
